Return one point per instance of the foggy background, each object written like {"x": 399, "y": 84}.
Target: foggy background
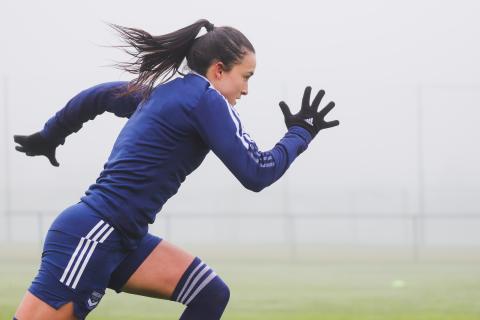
{"x": 402, "y": 169}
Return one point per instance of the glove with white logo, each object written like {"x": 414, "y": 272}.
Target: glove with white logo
{"x": 37, "y": 145}
{"x": 308, "y": 117}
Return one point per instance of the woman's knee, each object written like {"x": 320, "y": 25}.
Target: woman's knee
{"x": 221, "y": 292}
{"x": 200, "y": 284}
{"x": 204, "y": 293}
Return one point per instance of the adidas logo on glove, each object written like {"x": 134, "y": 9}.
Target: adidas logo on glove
{"x": 309, "y": 121}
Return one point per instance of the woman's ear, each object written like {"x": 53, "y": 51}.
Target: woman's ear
{"x": 219, "y": 68}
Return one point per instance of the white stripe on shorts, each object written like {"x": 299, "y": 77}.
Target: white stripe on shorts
{"x": 90, "y": 252}
{"x": 106, "y": 235}
{"x": 77, "y": 263}
{"x": 94, "y": 229}
{"x": 86, "y": 246}
{"x": 95, "y": 238}
{"x": 79, "y": 246}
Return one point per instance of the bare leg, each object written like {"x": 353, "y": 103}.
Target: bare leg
{"x": 32, "y": 308}
{"x": 199, "y": 288}
{"x": 156, "y": 277}
{"x": 159, "y": 274}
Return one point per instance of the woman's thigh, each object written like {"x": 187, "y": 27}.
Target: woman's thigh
{"x": 160, "y": 272}
{"x": 33, "y": 308}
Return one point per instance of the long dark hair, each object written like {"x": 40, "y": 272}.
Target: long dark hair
{"x": 160, "y": 57}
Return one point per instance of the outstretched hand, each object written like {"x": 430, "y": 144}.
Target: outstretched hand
{"x": 308, "y": 117}
{"x": 36, "y": 145}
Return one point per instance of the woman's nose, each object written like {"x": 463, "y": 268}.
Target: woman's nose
{"x": 245, "y": 90}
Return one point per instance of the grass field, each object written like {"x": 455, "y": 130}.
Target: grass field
{"x": 303, "y": 290}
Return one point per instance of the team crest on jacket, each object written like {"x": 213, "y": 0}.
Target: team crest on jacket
{"x": 94, "y": 299}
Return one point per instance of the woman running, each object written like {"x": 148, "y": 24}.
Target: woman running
{"x": 103, "y": 241}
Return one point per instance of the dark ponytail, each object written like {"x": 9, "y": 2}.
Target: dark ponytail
{"x": 160, "y": 57}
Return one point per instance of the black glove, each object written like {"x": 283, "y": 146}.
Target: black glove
{"x": 308, "y": 117}
{"x": 36, "y": 145}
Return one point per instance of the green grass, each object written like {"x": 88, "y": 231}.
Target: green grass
{"x": 286, "y": 290}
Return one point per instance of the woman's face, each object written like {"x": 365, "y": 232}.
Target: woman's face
{"x": 232, "y": 84}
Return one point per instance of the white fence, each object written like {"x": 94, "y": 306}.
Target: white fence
{"x": 411, "y": 233}
{"x": 424, "y": 143}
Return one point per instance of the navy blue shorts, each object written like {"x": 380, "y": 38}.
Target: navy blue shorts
{"x": 82, "y": 256}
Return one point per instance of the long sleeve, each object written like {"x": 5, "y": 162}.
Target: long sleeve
{"x": 220, "y": 128}
{"x": 87, "y": 105}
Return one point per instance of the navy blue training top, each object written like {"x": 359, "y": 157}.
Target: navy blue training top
{"x": 165, "y": 139}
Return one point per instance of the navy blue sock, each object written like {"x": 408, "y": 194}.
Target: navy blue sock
{"x": 202, "y": 291}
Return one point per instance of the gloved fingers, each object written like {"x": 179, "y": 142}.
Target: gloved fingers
{"x": 285, "y": 109}
{"x": 20, "y": 148}
{"x": 326, "y": 110}
{"x": 317, "y": 100}
{"x": 306, "y": 98}
{"x": 331, "y": 124}
{"x": 52, "y": 160}
{"x": 20, "y": 139}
